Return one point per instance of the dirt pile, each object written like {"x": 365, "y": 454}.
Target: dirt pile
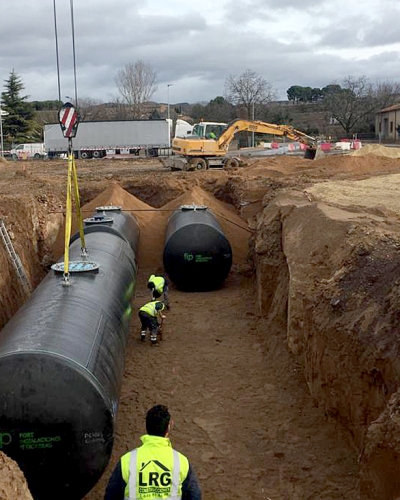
{"x": 13, "y": 484}
{"x": 378, "y": 150}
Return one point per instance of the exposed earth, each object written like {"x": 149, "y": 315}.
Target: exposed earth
{"x": 284, "y": 383}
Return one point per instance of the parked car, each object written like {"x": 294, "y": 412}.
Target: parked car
{"x": 29, "y": 150}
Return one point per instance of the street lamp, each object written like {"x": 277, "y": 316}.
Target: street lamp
{"x": 169, "y": 123}
{"x": 168, "y": 86}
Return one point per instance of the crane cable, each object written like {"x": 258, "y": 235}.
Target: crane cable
{"x": 72, "y": 180}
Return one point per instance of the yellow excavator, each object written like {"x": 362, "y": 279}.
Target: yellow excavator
{"x": 199, "y": 153}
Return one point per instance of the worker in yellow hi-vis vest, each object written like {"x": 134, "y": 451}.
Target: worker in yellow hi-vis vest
{"x": 151, "y": 317}
{"x": 154, "y": 470}
{"x": 158, "y": 285}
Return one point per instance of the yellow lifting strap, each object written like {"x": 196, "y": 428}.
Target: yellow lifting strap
{"x": 72, "y": 178}
{"x": 78, "y": 206}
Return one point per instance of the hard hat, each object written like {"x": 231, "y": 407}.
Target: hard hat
{"x": 160, "y": 306}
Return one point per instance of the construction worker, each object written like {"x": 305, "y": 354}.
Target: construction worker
{"x": 151, "y": 318}
{"x": 154, "y": 470}
{"x": 158, "y": 286}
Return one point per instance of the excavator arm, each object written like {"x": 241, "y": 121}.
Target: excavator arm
{"x": 263, "y": 128}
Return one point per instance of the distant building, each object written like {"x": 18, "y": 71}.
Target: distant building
{"x": 387, "y": 123}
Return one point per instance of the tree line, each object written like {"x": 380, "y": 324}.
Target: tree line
{"x": 351, "y": 105}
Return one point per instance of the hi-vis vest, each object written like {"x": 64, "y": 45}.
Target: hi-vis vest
{"x": 150, "y": 308}
{"x": 158, "y": 282}
{"x": 154, "y": 470}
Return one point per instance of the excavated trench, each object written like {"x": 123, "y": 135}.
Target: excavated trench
{"x": 283, "y": 383}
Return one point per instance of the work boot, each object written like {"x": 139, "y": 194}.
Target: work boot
{"x": 153, "y": 339}
{"x": 143, "y": 335}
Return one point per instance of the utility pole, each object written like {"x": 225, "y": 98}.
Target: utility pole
{"x": 169, "y": 123}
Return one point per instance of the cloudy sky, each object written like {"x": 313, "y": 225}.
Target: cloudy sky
{"x": 196, "y": 45}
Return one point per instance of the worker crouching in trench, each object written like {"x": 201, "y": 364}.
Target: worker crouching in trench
{"x": 151, "y": 318}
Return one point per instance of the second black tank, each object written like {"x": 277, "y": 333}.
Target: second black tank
{"x": 197, "y": 255}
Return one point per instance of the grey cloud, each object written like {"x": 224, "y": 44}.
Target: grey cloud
{"x": 190, "y": 51}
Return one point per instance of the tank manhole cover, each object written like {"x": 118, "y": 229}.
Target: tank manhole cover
{"x": 76, "y": 266}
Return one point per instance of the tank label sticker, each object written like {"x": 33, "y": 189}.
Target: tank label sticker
{"x": 33, "y": 441}
{"x": 93, "y": 437}
{"x": 27, "y": 440}
{"x": 202, "y": 258}
{"x": 198, "y": 257}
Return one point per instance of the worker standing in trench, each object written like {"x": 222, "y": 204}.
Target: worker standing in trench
{"x": 154, "y": 470}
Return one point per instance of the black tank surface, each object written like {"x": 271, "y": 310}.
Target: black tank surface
{"x": 61, "y": 366}
{"x": 197, "y": 255}
{"x": 112, "y": 220}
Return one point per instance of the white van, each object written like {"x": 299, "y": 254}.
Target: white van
{"x": 27, "y": 151}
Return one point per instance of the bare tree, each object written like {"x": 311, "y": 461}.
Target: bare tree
{"x": 90, "y": 109}
{"x": 386, "y": 94}
{"x": 248, "y": 90}
{"x": 352, "y": 104}
{"x": 136, "y": 83}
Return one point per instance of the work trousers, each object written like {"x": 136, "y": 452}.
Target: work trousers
{"x": 148, "y": 322}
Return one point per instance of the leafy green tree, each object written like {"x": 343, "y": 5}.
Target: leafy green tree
{"x": 316, "y": 95}
{"x": 297, "y": 94}
{"x": 332, "y": 88}
{"x": 18, "y": 125}
{"x": 294, "y": 93}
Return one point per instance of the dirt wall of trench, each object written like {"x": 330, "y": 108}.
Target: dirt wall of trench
{"x": 331, "y": 277}
{"x": 32, "y": 233}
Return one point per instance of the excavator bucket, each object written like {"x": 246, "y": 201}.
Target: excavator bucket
{"x": 314, "y": 153}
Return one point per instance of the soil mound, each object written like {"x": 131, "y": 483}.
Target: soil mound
{"x": 13, "y": 485}
{"x": 378, "y": 150}
{"x": 151, "y": 222}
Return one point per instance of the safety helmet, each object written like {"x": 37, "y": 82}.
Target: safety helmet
{"x": 160, "y": 306}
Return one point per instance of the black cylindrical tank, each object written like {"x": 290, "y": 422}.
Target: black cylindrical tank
{"x": 112, "y": 220}
{"x": 197, "y": 255}
{"x": 61, "y": 366}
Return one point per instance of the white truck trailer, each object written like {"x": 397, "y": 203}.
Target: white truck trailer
{"x": 102, "y": 138}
